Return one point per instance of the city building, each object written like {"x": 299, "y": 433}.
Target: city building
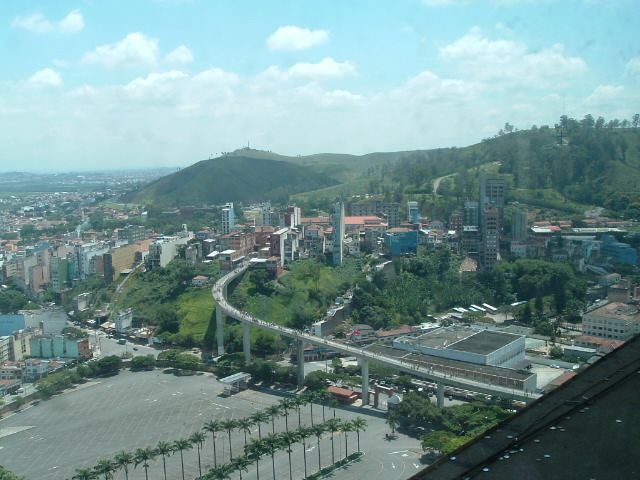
{"x": 389, "y": 211}
{"x": 413, "y": 214}
{"x": 228, "y": 218}
{"x": 483, "y": 347}
{"x": 337, "y": 221}
{"x": 617, "y": 321}
{"x": 124, "y": 319}
{"x": 399, "y": 241}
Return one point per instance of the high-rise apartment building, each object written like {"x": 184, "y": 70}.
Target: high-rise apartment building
{"x": 228, "y": 220}
{"x": 337, "y": 221}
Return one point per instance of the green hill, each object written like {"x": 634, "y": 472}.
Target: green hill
{"x": 231, "y": 178}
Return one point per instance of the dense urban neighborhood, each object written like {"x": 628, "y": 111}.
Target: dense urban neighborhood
{"x": 410, "y": 315}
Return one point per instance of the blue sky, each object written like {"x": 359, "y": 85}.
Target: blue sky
{"x": 96, "y": 84}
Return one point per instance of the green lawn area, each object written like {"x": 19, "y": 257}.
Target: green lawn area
{"x": 195, "y": 308}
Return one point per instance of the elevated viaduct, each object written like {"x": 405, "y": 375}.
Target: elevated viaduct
{"x": 363, "y": 356}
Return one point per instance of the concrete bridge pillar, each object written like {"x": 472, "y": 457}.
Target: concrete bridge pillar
{"x": 300, "y": 364}
{"x": 364, "y": 366}
{"x": 246, "y": 341}
{"x": 440, "y": 394}
{"x": 219, "y": 330}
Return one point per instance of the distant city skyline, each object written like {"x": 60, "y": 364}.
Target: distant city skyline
{"x": 93, "y": 86}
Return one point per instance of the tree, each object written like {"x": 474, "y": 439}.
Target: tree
{"x": 197, "y": 439}
{"x": 345, "y": 428}
{"x": 273, "y": 443}
{"x": 165, "y": 449}
{"x": 84, "y": 474}
{"x": 228, "y": 426}
{"x": 241, "y": 463}
{"x": 286, "y": 404}
{"x": 289, "y": 438}
{"x": 220, "y": 472}
{"x": 318, "y": 430}
{"x": 106, "y": 468}
{"x": 254, "y": 450}
{"x": 273, "y": 411}
{"x": 181, "y": 445}
{"x": 213, "y": 427}
{"x": 303, "y": 434}
{"x": 556, "y": 352}
{"x": 142, "y": 456}
{"x": 258, "y": 418}
{"x": 393, "y": 420}
{"x": 123, "y": 460}
{"x": 332, "y": 425}
{"x": 359, "y": 423}
{"x": 244, "y": 425}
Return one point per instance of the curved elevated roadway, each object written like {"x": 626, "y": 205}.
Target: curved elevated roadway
{"x": 219, "y": 292}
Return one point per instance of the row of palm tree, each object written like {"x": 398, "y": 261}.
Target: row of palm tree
{"x": 274, "y": 442}
{"x": 142, "y": 456}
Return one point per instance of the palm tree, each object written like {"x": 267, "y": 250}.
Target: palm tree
{"x": 220, "y": 473}
{"x": 286, "y": 404}
{"x": 289, "y": 438}
{"x": 323, "y": 395}
{"x": 273, "y": 411}
{"x": 197, "y": 439}
{"x": 229, "y": 425}
{"x": 84, "y": 474}
{"x": 333, "y": 426}
{"x": 241, "y": 464}
{"x": 258, "y": 418}
{"x": 142, "y": 456}
{"x": 245, "y": 424}
{"x": 123, "y": 460}
{"x": 272, "y": 444}
{"x": 165, "y": 449}
{"x": 311, "y": 397}
{"x": 213, "y": 427}
{"x": 180, "y": 446}
{"x": 359, "y": 423}
{"x": 303, "y": 434}
{"x": 318, "y": 430}
{"x": 393, "y": 420}
{"x": 254, "y": 450}
{"x": 299, "y": 402}
{"x": 106, "y": 468}
{"x": 345, "y": 428}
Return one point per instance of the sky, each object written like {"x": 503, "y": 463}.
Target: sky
{"x": 91, "y": 85}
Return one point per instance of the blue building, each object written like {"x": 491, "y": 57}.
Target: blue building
{"x": 621, "y": 252}
{"x": 401, "y": 240}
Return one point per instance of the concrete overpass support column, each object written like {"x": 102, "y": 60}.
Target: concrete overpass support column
{"x": 440, "y": 394}
{"x": 300, "y": 366}
{"x": 364, "y": 366}
{"x": 246, "y": 341}
{"x": 219, "y": 330}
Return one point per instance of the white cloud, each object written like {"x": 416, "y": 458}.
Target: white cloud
{"x": 325, "y": 69}
{"x": 72, "y": 23}
{"x": 428, "y": 86}
{"x": 296, "y": 38}
{"x": 180, "y": 56}
{"x": 606, "y": 95}
{"x": 633, "y": 67}
{"x": 136, "y": 50}
{"x": 36, "y": 23}
{"x": 46, "y": 78}
{"x": 155, "y": 87}
{"x": 509, "y": 62}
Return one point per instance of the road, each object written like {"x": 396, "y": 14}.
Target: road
{"x": 436, "y": 184}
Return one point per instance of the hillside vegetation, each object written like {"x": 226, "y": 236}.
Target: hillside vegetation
{"x": 230, "y": 178}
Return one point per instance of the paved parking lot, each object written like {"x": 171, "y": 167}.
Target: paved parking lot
{"x": 97, "y": 420}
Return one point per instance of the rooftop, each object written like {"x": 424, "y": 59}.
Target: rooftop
{"x": 464, "y": 339}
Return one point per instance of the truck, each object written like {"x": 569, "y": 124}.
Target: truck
{"x": 122, "y": 341}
